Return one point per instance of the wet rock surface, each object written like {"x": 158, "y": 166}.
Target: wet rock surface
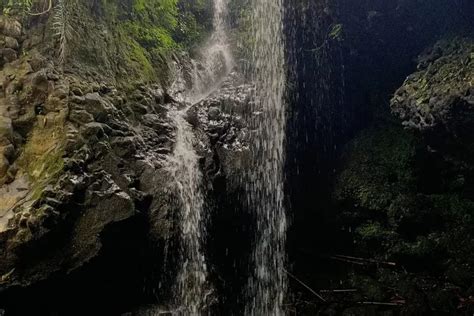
{"x": 76, "y": 157}
{"x": 80, "y": 159}
{"x": 220, "y": 122}
{"x": 438, "y": 99}
{"x": 104, "y": 154}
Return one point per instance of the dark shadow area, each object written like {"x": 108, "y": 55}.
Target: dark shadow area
{"x": 111, "y": 284}
{"x": 346, "y": 60}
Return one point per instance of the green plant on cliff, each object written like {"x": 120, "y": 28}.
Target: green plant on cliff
{"x": 194, "y": 21}
{"x": 26, "y": 7}
{"x": 152, "y": 30}
{"x": 19, "y": 6}
{"x": 406, "y": 207}
{"x": 151, "y": 23}
{"x": 62, "y": 27}
{"x": 165, "y": 25}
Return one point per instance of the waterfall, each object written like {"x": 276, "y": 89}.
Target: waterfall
{"x": 215, "y": 58}
{"x": 183, "y": 167}
{"x": 192, "y": 290}
{"x": 268, "y": 284}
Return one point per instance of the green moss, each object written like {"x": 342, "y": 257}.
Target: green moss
{"x": 441, "y": 74}
{"x": 123, "y": 42}
{"x": 138, "y": 56}
{"x": 150, "y": 36}
{"x": 50, "y": 168}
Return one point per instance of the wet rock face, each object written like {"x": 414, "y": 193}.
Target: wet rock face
{"x": 103, "y": 145}
{"x": 79, "y": 158}
{"x": 10, "y": 35}
{"x": 109, "y": 151}
{"x": 221, "y": 128}
{"x": 8, "y": 53}
{"x": 438, "y": 99}
{"x": 32, "y": 114}
{"x": 219, "y": 122}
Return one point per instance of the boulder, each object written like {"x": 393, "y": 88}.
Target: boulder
{"x": 80, "y": 117}
{"x": 12, "y": 43}
{"x": 438, "y": 99}
{"x": 10, "y": 27}
{"x": 97, "y": 106}
{"x": 9, "y": 55}
{"x": 6, "y": 130}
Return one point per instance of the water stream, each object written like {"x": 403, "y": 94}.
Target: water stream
{"x": 183, "y": 166}
{"x": 264, "y": 181}
{"x": 215, "y": 57}
{"x": 192, "y": 289}
{"x": 267, "y": 285}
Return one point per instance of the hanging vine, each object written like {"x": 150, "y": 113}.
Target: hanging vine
{"x": 62, "y": 29}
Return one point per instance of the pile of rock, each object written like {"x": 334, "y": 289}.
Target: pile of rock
{"x": 10, "y": 36}
{"x": 10, "y": 33}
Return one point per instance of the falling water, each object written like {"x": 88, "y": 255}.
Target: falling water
{"x": 192, "y": 288}
{"x": 183, "y": 167}
{"x": 267, "y": 286}
{"x": 215, "y": 61}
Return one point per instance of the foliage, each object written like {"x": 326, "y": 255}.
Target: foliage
{"x": 150, "y": 36}
{"x": 62, "y": 27}
{"x": 336, "y": 32}
{"x": 18, "y": 6}
{"x": 241, "y": 25}
{"x": 152, "y": 22}
{"x": 162, "y": 26}
{"x": 194, "y": 21}
{"x": 25, "y": 7}
{"x": 407, "y": 206}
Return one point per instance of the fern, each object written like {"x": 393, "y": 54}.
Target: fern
{"x": 62, "y": 29}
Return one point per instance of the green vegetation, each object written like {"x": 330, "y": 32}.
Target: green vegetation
{"x": 151, "y": 23}
{"x": 194, "y": 22}
{"x": 241, "y": 24}
{"x": 26, "y": 7}
{"x": 15, "y": 6}
{"x": 407, "y": 206}
{"x": 127, "y": 39}
{"x": 166, "y": 25}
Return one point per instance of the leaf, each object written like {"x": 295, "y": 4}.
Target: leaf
{"x": 336, "y": 32}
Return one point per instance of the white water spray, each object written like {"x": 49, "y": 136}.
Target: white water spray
{"x": 267, "y": 286}
{"x": 192, "y": 287}
{"x": 215, "y": 61}
{"x": 183, "y": 167}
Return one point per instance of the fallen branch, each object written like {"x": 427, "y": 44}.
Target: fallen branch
{"x": 305, "y": 286}
{"x": 347, "y": 260}
{"x": 6, "y": 276}
{"x": 380, "y": 303}
{"x": 362, "y": 260}
{"x": 339, "y": 291}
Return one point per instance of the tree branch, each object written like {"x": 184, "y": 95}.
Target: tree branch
{"x": 44, "y": 12}
{"x": 306, "y": 286}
